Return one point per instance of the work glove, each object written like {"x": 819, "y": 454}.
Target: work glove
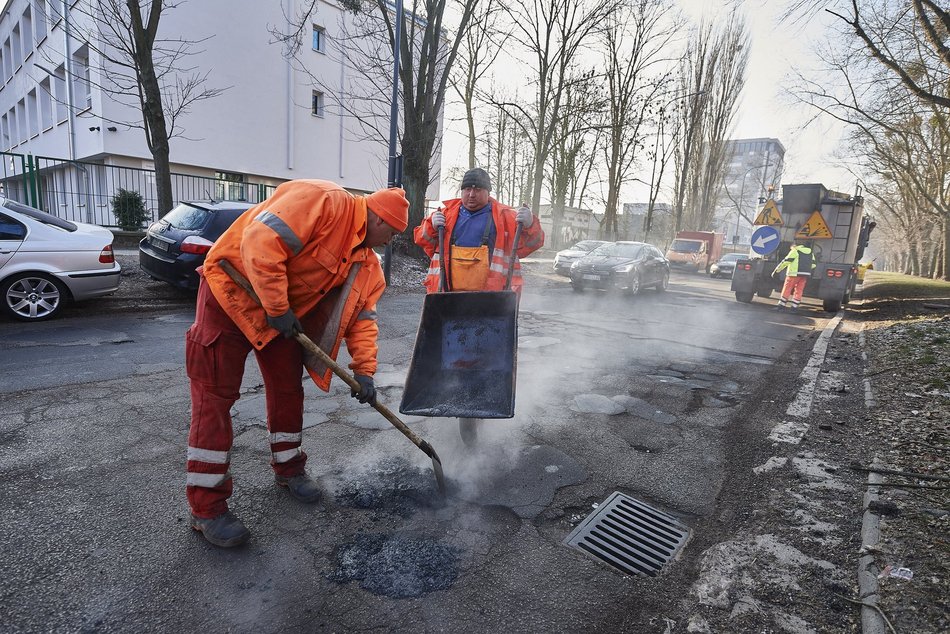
{"x": 524, "y": 216}
{"x": 367, "y": 391}
{"x": 286, "y": 324}
{"x": 438, "y": 219}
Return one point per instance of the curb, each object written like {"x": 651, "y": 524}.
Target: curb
{"x": 872, "y": 621}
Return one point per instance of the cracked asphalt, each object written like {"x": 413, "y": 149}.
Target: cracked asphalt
{"x": 667, "y": 397}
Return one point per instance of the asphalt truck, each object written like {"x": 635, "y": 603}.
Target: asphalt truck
{"x": 695, "y": 250}
{"x": 833, "y": 222}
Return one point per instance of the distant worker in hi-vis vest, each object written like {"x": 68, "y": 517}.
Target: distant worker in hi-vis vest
{"x": 798, "y": 265}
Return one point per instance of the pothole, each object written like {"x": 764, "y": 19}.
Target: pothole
{"x": 396, "y": 566}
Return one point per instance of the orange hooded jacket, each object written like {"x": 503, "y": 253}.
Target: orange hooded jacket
{"x": 295, "y": 248}
{"x": 532, "y": 239}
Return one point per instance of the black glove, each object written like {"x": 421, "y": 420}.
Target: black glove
{"x": 367, "y": 393}
{"x": 287, "y": 324}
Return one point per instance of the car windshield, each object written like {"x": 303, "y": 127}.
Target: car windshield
{"x": 586, "y": 245}
{"x": 39, "y": 216}
{"x": 732, "y": 257}
{"x": 187, "y": 217}
{"x": 619, "y": 249}
{"x": 686, "y": 246}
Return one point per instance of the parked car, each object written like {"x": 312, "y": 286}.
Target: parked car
{"x": 564, "y": 259}
{"x": 623, "y": 265}
{"x": 726, "y": 265}
{"x": 177, "y": 244}
{"x": 46, "y": 262}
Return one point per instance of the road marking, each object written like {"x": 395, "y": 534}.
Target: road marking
{"x": 790, "y": 432}
{"x": 801, "y": 406}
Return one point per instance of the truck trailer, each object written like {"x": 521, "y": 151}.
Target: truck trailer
{"x": 835, "y": 225}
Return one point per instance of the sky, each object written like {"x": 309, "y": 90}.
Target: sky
{"x": 777, "y": 51}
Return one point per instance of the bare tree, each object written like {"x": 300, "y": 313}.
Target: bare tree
{"x": 713, "y": 74}
{"x": 552, "y": 32}
{"x": 635, "y": 38}
{"x": 427, "y": 54}
{"x": 150, "y": 73}
{"x": 480, "y": 47}
{"x": 572, "y": 153}
{"x": 909, "y": 39}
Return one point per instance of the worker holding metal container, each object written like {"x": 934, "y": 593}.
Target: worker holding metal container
{"x": 479, "y": 250}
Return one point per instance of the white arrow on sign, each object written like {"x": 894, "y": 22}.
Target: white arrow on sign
{"x": 764, "y": 240}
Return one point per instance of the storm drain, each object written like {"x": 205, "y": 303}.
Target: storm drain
{"x": 630, "y": 536}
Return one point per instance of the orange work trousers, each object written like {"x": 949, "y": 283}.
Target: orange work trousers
{"x": 794, "y": 286}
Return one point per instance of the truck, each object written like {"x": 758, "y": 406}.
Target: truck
{"x": 695, "y": 250}
{"x": 834, "y": 223}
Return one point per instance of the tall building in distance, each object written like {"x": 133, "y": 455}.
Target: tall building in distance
{"x": 753, "y": 170}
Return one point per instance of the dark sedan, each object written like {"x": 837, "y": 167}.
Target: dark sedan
{"x": 630, "y": 266}
{"x": 177, "y": 244}
{"x": 726, "y": 265}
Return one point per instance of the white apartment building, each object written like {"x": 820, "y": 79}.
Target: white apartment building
{"x": 271, "y": 123}
{"x": 754, "y": 166}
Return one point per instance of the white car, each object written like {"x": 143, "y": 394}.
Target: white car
{"x": 46, "y": 262}
{"x": 564, "y": 259}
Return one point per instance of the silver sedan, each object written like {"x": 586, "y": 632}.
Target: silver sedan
{"x": 46, "y": 262}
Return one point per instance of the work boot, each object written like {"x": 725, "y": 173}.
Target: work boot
{"x": 779, "y": 307}
{"x": 302, "y": 487}
{"x": 225, "y": 530}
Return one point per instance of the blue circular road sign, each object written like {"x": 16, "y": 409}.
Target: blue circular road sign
{"x": 765, "y": 240}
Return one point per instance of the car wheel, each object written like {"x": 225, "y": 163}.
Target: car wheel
{"x": 32, "y": 296}
{"x": 634, "y": 284}
{"x": 577, "y": 288}
{"x": 664, "y": 282}
{"x": 744, "y": 296}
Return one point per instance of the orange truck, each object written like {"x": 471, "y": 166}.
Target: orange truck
{"x": 695, "y": 250}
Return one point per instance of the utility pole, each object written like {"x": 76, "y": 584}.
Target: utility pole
{"x": 395, "y": 160}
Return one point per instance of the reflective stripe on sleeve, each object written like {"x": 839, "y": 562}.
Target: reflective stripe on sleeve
{"x": 286, "y": 456}
{"x": 209, "y": 456}
{"x": 367, "y": 315}
{"x": 283, "y": 436}
{"x": 207, "y": 480}
{"x": 280, "y": 227}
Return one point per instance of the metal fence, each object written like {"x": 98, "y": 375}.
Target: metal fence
{"x": 82, "y": 190}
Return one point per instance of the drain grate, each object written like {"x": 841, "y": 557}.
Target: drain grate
{"x": 630, "y": 536}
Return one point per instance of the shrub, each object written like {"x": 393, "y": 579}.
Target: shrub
{"x": 129, "y": 210}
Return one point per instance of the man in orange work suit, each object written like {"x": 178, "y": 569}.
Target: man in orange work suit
{"x": 307, "y": 251}
{"x": 479, "y": 239}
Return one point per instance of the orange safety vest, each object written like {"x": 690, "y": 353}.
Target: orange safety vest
{"x": 532, "y": 239}
{"x": 299, "y": 250}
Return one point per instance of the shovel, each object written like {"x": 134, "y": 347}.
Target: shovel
{"x": 338, "y": 370}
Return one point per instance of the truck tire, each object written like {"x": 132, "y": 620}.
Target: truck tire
{"x": 832, "y": 305}
{"x": 744, "y": 297}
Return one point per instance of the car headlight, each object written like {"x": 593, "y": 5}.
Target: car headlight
{"x": 625, "y": 268}
{"x": 574, "y": 264}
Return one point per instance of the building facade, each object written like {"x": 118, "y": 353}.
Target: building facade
{"x": 753, "y": 170}
{"x": 272, "y": 121}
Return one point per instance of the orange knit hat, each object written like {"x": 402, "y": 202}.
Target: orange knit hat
{"x": 392, "y": 206}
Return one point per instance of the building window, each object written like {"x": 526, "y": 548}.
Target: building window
{"x": 316, "y": 107}
{"x": 7, "y": 61}
{"x": 230, "y": 186}
{"x": 32, "y": 122}
{"x": 46, "y": 104}
{"x": 41, "y": 25}
{"x": 5, "y": 132}
{"x": 59, "y": 83}
{"x": 27, "y": 32}
{"x": 82, "y": 89}
{"x": 319, "y": 39}
{"x": 17, "y": 47}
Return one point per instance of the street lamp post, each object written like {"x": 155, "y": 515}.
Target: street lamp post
{"x": 742, "y": 196}
{"x": 395, "y": 160}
